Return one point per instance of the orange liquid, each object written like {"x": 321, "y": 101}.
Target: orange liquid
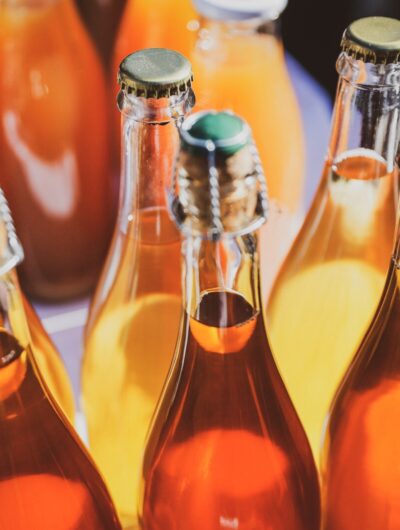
{"x": 330, "y": 285}
{"x": 226, "y": 449}
{"x": 362, "y": 469}
{"x": 46, "y": 480}
{"x": 55, "y": 162}
{"x": 129, "y": 348}
{"x": 246, "y": 72}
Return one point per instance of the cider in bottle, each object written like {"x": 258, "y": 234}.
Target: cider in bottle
{"x": 134, "y": 319}
{"x": 47, "y": 480}
{"x": 54, "y": 146}
{"x": 226, "y": 449}
{"x": 238, "y": 64}
{"x": 46, "y": 356}
{"x": 330, "y": 284}
{"x": 361, "y": 461}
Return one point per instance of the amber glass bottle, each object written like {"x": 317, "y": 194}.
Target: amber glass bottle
{"x": 226, "y": 449}
{"x": 102, "y": 19}
{"x": 55, "y": 151}
{"x": 330, "y": 285}
{"x": 48, "y": 359}
{"x": 134, "y": 317}
{"x": 361, "y": 469}
{"x": 239, "y": 64}
{"x": 47, "y": 481}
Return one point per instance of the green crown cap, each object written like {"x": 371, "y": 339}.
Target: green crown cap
{"x": 222, "y": 132}
{"x": 373, "y": 39}
{"x": 155, "y": 73}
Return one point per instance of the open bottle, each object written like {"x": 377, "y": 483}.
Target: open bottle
{"x": 134, "y": 318}
{"x": 47, "y": 357}
{"x": 330, "y": 285}
{"x": 226, "y": 448}
{"x": 47, "y": 480}
{"x": 55, "y": 167}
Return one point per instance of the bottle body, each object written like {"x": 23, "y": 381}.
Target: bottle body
{"x": 55, "y": 174}
{"x": 361, "y": 457}
{"x": 228, "y": 58}
{"x": 226, "y": 447}
{"x": 330, "y": 284}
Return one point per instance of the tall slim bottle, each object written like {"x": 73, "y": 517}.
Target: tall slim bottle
{"x": 239, "y": 64}
{"x": 226, "y": 449}
{"x": 47, "y": 357}
{"x": 47, "y": 480}
{"x": 54, "y": 146}
{"x": 134, "y": 318}
{"x": 330, "y": 284}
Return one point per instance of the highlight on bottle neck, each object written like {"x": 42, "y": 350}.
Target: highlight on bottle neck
{"x": 219, "y": 187}
{"x": 367, "y": 107}
{"x": 240, "y": 10}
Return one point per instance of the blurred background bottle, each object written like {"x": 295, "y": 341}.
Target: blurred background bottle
{"x": 331, "y": 282}
{"x": 102, "y": 18}
{"x": 134, "y": 317}
{"x": 239, "y": 64}
{"x": 55, "y": 149}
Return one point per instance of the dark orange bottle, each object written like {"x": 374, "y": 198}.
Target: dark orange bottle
{"x": 361, "y": 464}
{"x": 47, "y": 480}
{"x": 226, "y": 449}
{"x": 54, "y": 146}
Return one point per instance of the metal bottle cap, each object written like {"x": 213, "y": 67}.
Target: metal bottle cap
{"x": 230, "y": 10}
{"x": 373, "y": 40}
{"x": 219, "y": 185}
{"x": 155, "y": 73}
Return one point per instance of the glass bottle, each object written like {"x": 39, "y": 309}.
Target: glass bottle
{"x": 47, "y": 357}
{"x": 226, "y": 449}
{"x": 102, "y": 19}
{"x": 361, "y": 469}
{"x": 47, "y": 480}
{"x": 239, "y": 64}
{"x": 53, "y": 139}
{"x": 134, "y": 319}
{"x": 331, "y": 282}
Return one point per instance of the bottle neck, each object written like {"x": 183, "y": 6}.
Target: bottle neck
{"x": 228, "y": 266}
{"x": 150, "y": 141}
{"x": 366, "y": 118}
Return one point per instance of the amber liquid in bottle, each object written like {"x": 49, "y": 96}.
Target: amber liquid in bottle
{"x": 361, "y": 472}
{"x": 226, "y": 449}
{"x": 330, "y": 286}
{"x": 53, "y": 139}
